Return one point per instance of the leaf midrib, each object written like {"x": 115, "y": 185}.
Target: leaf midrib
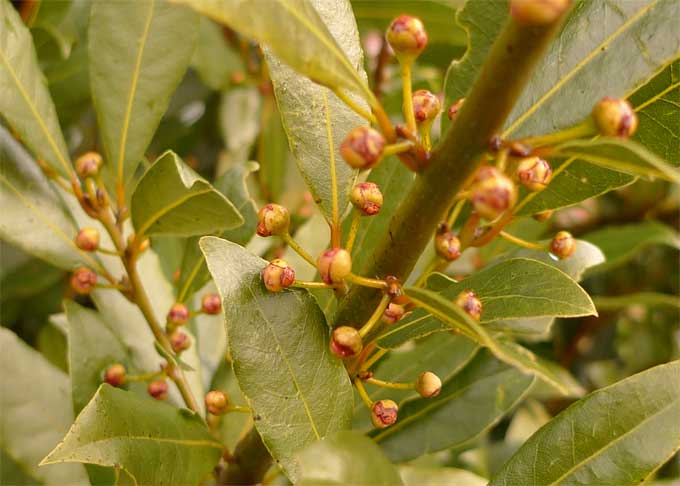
{"x": 166, "y": 209}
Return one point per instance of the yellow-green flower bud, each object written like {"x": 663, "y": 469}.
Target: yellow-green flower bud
{"x": 334, "y": 265}
{"x": 534, "y": 173}
{"x": 446, "y": 244}
{"x": 278, "y": 275}
{"x": 345, "y": 342}
{"x": 563, "y": 245}
{"x": 428, "y": 385}
{"x": 426, "y": 106}
{"x": 367, "y": 198}
{"x": 407, "y": 36}
{"x": 362, "y": 148}
{"x": 216, "y": 402}
{"x": 273, "y": 219}
{"x": 87, "y": 239}
{"x": 615, "y": 117}
{"x": 384, "y": 413}
{"x": 470, "y": 303}
{"x": 493, "y": 193}
{"x": 88, "y": 165}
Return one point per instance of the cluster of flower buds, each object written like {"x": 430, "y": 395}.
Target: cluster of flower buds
{"x": 428, "y": 385}
{"x": 492, "y": 193}
{"x": 470, "y": 303}
{"x": 454, "y": 108}
{"x": 393, "y": 313}
{"x": 87, "y": 239}
{"x": 273, "y": 219}
{"x": 407, "y": 37}
{"x": 211, "y": 304}
{"x": 88, "y": 165}
{"x": 537, "y": 12}
{"x": 83, "y": 280}
{"x": 367, "y": 198}
{"x": 362, "y": 148}
{"x": 563, "y": 245}
{"x": 178, "y": 314}
{"x": 534, "y": 173}
{"x": 158, "y": 389}
{"x": 179, "y": 341}
{"x": 384, "y": 413}
{"x": 446, "y": 244}
{"x": 615, "y": 117}
{"x": 345, "y": 342}
{"x": 278, "y": 275}
{"x": 334, "y": 265}
{"x": 115, "y": 375}
{"x": 216, "y": 402}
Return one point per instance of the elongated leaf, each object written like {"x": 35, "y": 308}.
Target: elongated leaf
{"x": 118, "y": 428}
{"x": 346, "y": 458}
{"x": 468, "y": 404}
{"x": 172, "y": 199}
{"x": 438, "y": 476}
{"x": 269, "y": 333}
{"x": 138, "y": 50}
{"x": 36, "y": 412}
{"x": 25, "y": 102}
{"x": 618, "y": 435}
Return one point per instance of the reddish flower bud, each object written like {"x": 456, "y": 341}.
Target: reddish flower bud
{"x": 273, "y": 219}
{"x": 179, "y": 314}
{"x": 367, "y": 198}
{"x": 493, "y": 193}
{"x": 534, "y": 173}
{"x": 563, "y": 245}
{"x": 87, "y": 239}
{"x": 426, "y": 106}
{"x": 362, "y": 148}
{"x": 543, "y": 216}
{"x": 216, "y": 402}
{"x": 334, "y": 265}
{"x": 158, "y": 389}
{"x": 115, "y": 375}
{"x": 454, "y": 108}
{"x": 83, "y": 280}
{"x": 428, "y": 385}
{"x": 345, "y": 342}
{"x": 615, "y": 118}
{"x": 211, "y": 304}
{"x": 394, "y": 288}
{"x": 393, "y": 313}
{"x": 384, "y": 413}
{"x": 407, "y": 36}
{"x": 447, "y": 245}
{"x": 470, "y": 303}
{"x": 537, "y": 12}
{"x": 179, "y": 341}
{"x": 88, "y": 165}
{"x": 278, "y": 275}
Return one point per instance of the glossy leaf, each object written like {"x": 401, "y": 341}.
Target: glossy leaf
{"x": 277, "y": 329}
{"x": 138, "y": 52}
{"x": 586, "y": 256}
{"x": 438, "y": 476}
{"x": 346, "y": 457}
{"x": 172, "y": 199}
{"x": 618, "y": 435}
{"x": 118, "y": 428}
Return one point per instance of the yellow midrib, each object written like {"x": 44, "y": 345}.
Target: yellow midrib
{"x": 165, "y": 209}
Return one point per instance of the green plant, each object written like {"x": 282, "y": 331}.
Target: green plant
{"x": 413, "y": 329}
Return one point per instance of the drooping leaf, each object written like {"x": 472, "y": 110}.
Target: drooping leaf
{"x": 118, "y": 428}
{"x": 138, "y": 51}
{"x": 618, "y": 435}
{"x": 437, "y": 476}
{"x": 36, "y": 412}
{"x": 26, "y": 103}
{"x": 172, "y": 199}
{"x": 346, "y": 457}
{"x": 269, "y": 333}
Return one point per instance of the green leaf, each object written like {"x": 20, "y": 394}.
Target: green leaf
{"x": 36, "y": 412}
{"x": 469, "y": 403}
{"x": 618, "y": 435}
{"x": 138, "y": 54}
{"x": 212, "y": 45}
{"x": 346, "y": 457}
{"x": 438, "y": 476}
{"x": 172, "y": 199}
{"x": 26, "y": 103}
{"x": 269, "y": 334}
{"x": 239, "y": 116}
{"x": 119, "y": 429}
{"x": 649, "y": 299}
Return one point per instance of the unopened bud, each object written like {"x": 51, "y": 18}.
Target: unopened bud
{"x": 543, "y": 216}
{"x": 216, "y": 402}
{"x": 334, "y": 265}
{"x": 367, "y": 198}
{"x": 345, "y": 342}
{"x": 534, "y": 173}
{"x": 384, "y": 413}
{"x": 211, "y": 304}
{"x": 615, "y": 118}
{"x": 158, "y": 389}
{"x": 407, "y": 36}
{"x": 83, "y": 280}
{"x": 537, "y": 12}
{"x": 394, "y": 288}
{"x": 87, "y": 239}
{"x": 470, "y": 303}
{"x": 393, "y": 313}
{"x": 178, "y": 314}
{"x": 447, "y": 244}
{"x": 179, "y": 341}
{"x": 563, "y": 245}
{"x": 428, "y": 385}
{"x": 273, "y": 219}
{"x": 88, "y": 165}
{"x": 426, "y": 106}
{"x": 115, "y": 375}
{"x": 278, "y": 275}
{"x": 362, "y": 148}
{"x": 454, "y": 108}
{"x": 493, "y": 193}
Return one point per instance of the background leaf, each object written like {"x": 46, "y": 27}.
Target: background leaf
{"x": 437, "y": 476}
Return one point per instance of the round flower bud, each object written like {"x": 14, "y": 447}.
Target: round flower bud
{"x": 362, "y": 148}
{"x": 273, "y": 219}
{"x": 384, "y": 413}
{"x": 278, "y": 275}
{"x": 178, "y": 314}
{"x": 83, "y": 280}
{"x": 393, "y": 313}
{"x": 87, "y": 239}
{"x": 216, "y": 402}
{"x": 454, "y": 108}
{"x": 534, "y": 173}
{"x": 179, "y": 341}
{"x": 447, "y": 245}
{"x": 367, "y": 198}
{"x": 334, "y": 265}
{"x": 345, "y": 342}
{"x": 428, "y": 385}
{"x": 88, "y": 164}
{"x": 406, "y": 36}
{"x": 211, "y": 304}
{"x": 615, "y": 118}
{"x": 158, "y": 389}
{"x": 115, "y": 375}
{"x": 493, "y": 193}
{"x": 537, "y": 12}
{"x": 563, "y": 245}
{"x": 426, "y": 106}
{"x": 470, "y": 303}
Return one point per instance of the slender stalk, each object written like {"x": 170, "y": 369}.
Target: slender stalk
{"x": 407, "y": 93}
{"x": 298, "y": 249}
{"x": 355, "y": 107}
{"x": 366, "y": 282}
{"x": 455, "y": 213}
{"x": 336, "y": 228}
{"x": 362, "y": 393}
{"x": 428, "y": 270}
{"x": 520, "y": 242}
{"x": 375, "y": 317}
{"x": 389, "y": 384}
{"x": 239, "y": 409}
{"x": 145, "y": 376}
{"x": 584, "y": 129}
{"x": 373, "y": 359}
{"x": 312, "y": 285}
{"x": 353, "y": 229}
{"x": 108, "y": 252}
{"x": 494, "y": 230}
{"x": 397, "y": 148}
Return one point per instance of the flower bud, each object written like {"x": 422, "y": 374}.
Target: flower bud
{"x": 211, "y": 304}
{"x": 493, "y": 193}
{"x": 367, "y": 198}
{"x": 278, "y": 275}
{"x": 384, "y": 413}
{"x": 179, "y": 314}
{"x": 454, "y": 108}
{"x": 87, "y": 239}
{"x": 394, "y": 288}
{"x": 534, "y": 173}
{"x": 615, "y": 118}
{"x": 158, "y": 389}
{"x": 406, "y": 36}
{"x": 334, "y": 265}
{"x": 426, "y": 106}
{"x": 88, "y": 164}
{"x": 447, "y": 245}
{"x": 115, "y": 375}
{"x": 428, "y": 385}
{"x": 537, "y": 12}
{"x": 393, "y": 313}
{"x": 470, "y": 303}
{"x": 216, "y": 402}
{"x": 563, "y": 245}
{"x": 179, "y": 341}
{"x": 83, "y": 280}
{"x": 273, "y": 219}
{"x": 543, "y": 216}
{"x": 362, "y": 148}
{"x": 345, "y": 342}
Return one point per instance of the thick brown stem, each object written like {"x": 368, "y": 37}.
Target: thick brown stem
{"x": 251, "y": 461}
